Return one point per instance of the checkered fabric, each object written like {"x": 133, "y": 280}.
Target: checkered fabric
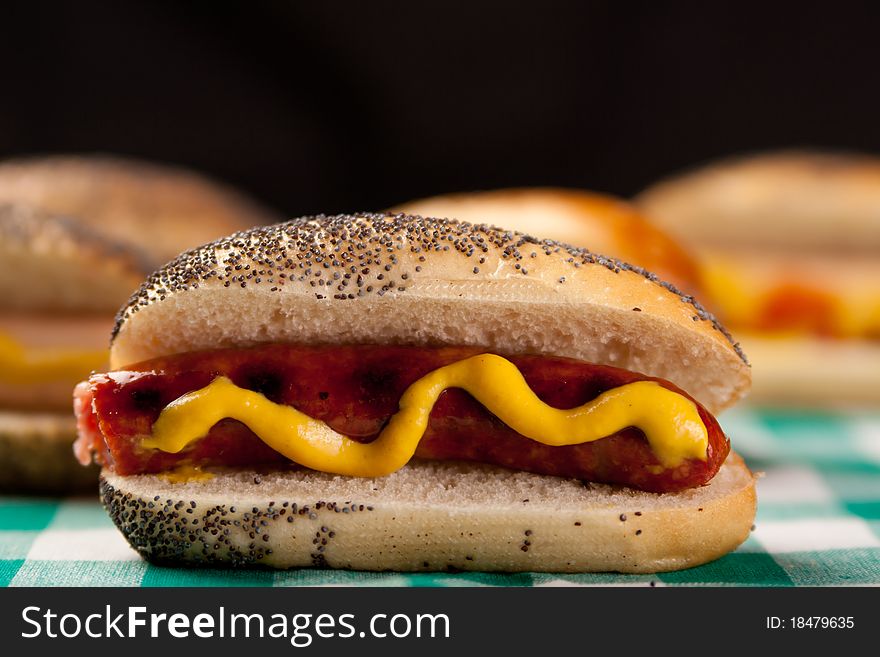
{"x": 818, "y": 524}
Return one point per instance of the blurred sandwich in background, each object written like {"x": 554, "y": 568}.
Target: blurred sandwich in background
{"x": 77, "y": 237}
{"x": 789, "y": 249}
{"x": 161, "y": 210}
{"x": 603, "y": 224}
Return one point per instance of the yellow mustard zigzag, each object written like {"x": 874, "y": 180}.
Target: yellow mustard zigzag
{"x": 670, "y": 421}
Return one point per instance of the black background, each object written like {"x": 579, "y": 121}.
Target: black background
{"x": 330, "y": 106}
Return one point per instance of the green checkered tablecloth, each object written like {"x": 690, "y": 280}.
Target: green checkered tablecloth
{"x": 818, "y": 524}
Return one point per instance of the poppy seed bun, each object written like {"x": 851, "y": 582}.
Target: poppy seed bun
{"x": 410, "y": 280}
{"x": 787, "y": 200}
{"x": 603, "y": 224}
{"x": 52, "y": 263}
{"x": 789, "y": 249}
{"x": 160, "y": 209}
{"x": 36, "y": 455}
{"x": 430, "y": 516}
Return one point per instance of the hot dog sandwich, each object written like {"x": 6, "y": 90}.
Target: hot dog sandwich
{"x": 395, "y": 392}
{"x": 789, "y": 248}
{"x": 77, "y": 237}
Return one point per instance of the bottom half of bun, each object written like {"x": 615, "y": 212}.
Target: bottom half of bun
{"x": 813, "y": 372}
{"x": 429, "y": 516}
{"x": 36, "y": 454}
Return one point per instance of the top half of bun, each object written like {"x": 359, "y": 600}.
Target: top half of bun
{"x": 602, "y": 223}
{"x": 52, "y": 264}
{"x": 159, "y": 209}
{"x": 398, "y": 279}
{"x": 783, "y": 200}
